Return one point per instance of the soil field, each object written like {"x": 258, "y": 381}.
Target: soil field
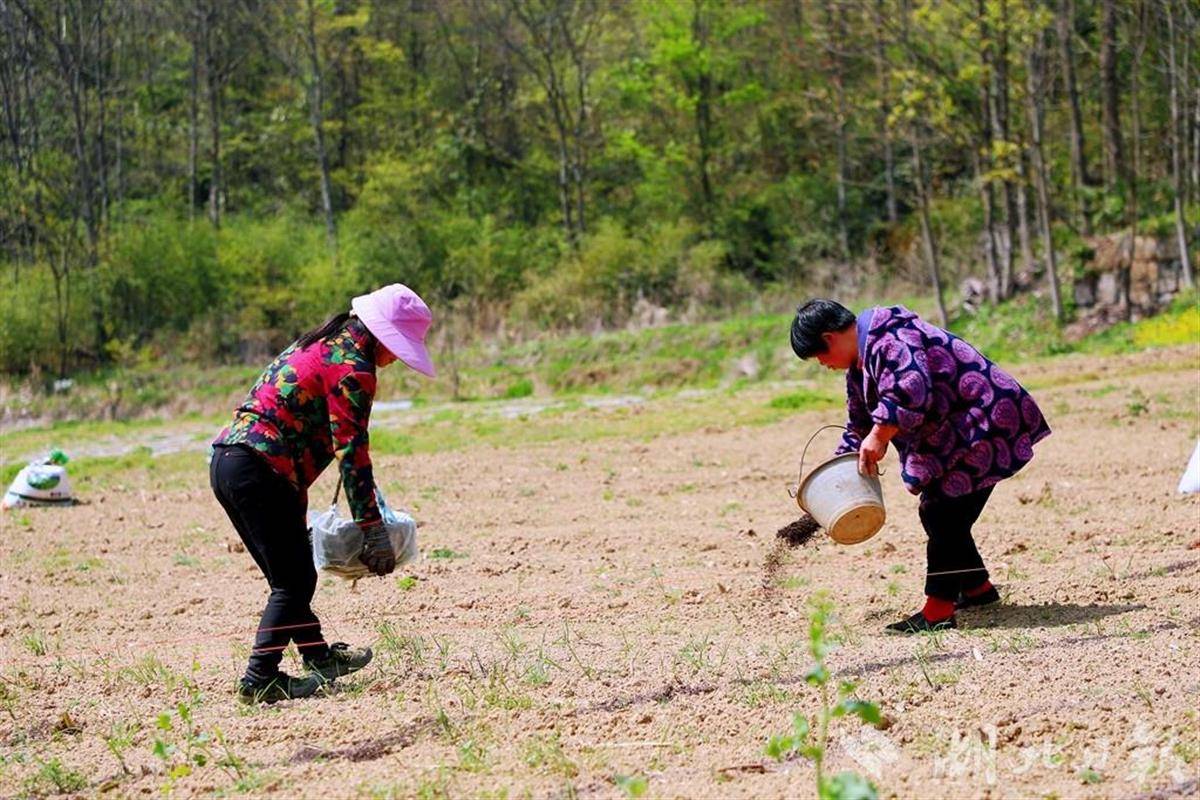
{"x": 591, "y": 618}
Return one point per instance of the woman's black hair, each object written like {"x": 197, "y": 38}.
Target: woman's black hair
{"x": 330, "y": 327}
{"x": 814, "y": 318}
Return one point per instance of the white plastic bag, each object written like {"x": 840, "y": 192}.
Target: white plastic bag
{"x": 338, "y": 541}
{"x": 1190, "y": 482}
{"x": 44, "y": 482}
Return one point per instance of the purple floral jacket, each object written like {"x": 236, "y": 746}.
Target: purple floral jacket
{"x": 965, "y": 424}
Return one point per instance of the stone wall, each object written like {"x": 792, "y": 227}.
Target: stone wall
{"x": 1155, "y": 274}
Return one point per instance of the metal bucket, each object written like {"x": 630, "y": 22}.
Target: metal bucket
{"x": 847, "y": 504}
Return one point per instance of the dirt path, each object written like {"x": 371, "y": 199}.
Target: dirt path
{"x": 598, "y": 611}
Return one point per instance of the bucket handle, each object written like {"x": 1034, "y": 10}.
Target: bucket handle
{"x": 800, "y": 479}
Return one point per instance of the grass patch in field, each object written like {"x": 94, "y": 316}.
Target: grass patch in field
{"x": 445, "y": 553}
{"x": 35, "y": 643}
{"x": 473, "y": 425}
{"x": 545, "y": 754}
{"x": 763, "y": 693}
{"x": 803, "y": 399}
{"x": 150, "y": 671}
{"x": 53, "y": 777}
{"x": 518, "y": 389}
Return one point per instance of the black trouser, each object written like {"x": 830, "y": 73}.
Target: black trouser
{"x": 268, "y": 513}
{"x": 950, "y": 548}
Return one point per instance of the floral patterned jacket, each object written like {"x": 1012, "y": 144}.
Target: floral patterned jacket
{"x": 965, "y": 424}
{"x": 308, "y": 406}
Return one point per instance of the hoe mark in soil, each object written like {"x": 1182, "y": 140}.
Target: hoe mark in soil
{"x": 367, "y": 749}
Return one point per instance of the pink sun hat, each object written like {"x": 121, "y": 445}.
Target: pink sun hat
{"x": 399, "y": 318}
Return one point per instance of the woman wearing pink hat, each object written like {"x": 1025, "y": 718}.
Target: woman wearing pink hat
{"x": 310, "y": 405}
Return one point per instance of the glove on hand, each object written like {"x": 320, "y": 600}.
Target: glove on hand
{"x": 377, "y": 554}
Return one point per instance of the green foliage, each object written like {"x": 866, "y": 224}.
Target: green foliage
{"x": 784, "y": 746}
{"x": 445, "y": 553}
{"x": 847, "y": 786}
{"x": 802, "y": 399}
{"x": 691, "y": 155}
{"x": 520, "y": 388}
{"x": 53, "y": 777}
{"x": 800, "y": 741}
{"x": 184, "y": 747}
{"x": 632, "y": 786}
{"x": 119, "y": 739}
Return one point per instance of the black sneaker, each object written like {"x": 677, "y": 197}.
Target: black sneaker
{"x": 342, "y": 660}
{"x": 917, "y": 623}
{"x": 992, "y": 595}
{"x": 281, "y": 687}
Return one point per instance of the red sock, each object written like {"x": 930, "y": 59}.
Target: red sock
{"x": 986, "y": 586}
{"x": 938, "y": 610}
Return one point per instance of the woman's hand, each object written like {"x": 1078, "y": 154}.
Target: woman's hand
{"x": 874, "y": 448}
{"x": 377, "y": 554}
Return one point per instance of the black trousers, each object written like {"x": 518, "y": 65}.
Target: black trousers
{"x": 951, "y": 548}
{"x": 268, "y": 513}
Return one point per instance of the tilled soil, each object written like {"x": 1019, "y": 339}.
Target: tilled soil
{"x": 585, "y": 614}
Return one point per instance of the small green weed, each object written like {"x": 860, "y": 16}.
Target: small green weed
{"x": 519, "y": 389}
{"x": 149, "y": 671}
{"x": 801, "y": 399}
{"x": 800, "y": 741}
{"x": 35, "y": 643}
{"x": 1138, "y": 403}
{"x": 406, "y": 583}
{"x": 631, "y": 785}
{"x": 183, "y": 746}
{"x": 546, "y": 753}
{"x": 53, "y": 777}
{"x": 761, "y": 693}
{"x": 120, "y": 738}
{"x": 445, "y": 553}
{"x": 472, "y": 755}
{"x": 396, "y": 648}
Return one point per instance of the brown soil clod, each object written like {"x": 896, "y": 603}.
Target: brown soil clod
{"x": 796, "y": 534}
{"x": 800, "y": 532}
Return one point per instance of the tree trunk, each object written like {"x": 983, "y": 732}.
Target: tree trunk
{"x": 69, "y": 54}
{"x": 990, "y": 249}
{"x": 1185, "y": 99}
{"x": 983, "y": 158}
{"x": 1135, "y": 108}
{"x": 885, "y": 111}
{"x": 1035, "y": 78}
{"x": 564, "y": 186}
{"x": 999, "y": 110}
{"x": 213, "y": 80}
{"x": 62, "y": 301}
{"x": 193, "y": 118}
{"x": 10, "y": 94}
{"x": 1114, "y": 159}
{"x": 98, "y": 68}
{"x": 835, "y": 38}
{"x": 316, "y": 116}
{"x": 119, "y": 127}
{"x": 1176, "y": 142}
{"x": 930, "y": 246}
{"x": 1079, "y": 169}
{"x": 1195, "y": 144}
{"x": 1023, "y": 235}
{"x": 704, "y": 99}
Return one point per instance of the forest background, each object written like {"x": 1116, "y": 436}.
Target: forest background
{"x": 197, "y": 181}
